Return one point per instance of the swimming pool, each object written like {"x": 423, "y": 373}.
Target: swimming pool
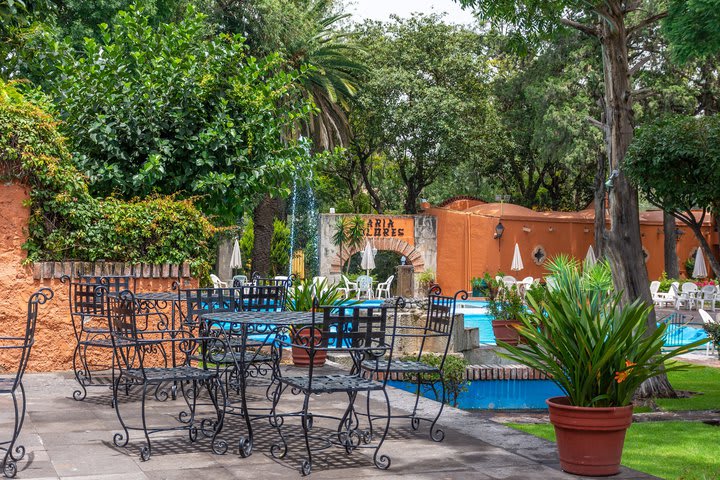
{"x": 497, "y": 394}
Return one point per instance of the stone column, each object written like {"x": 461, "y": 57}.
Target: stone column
{"x": 405, "y": 281}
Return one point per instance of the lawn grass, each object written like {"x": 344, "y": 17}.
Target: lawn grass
{"x": 670, "y": 450}
{"x": 705, "y": 380}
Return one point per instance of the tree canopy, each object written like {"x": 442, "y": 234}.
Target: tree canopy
{"x": 675, "y": 162}
{"x": 425, "y": 116}
{"x": 174, "y": 108}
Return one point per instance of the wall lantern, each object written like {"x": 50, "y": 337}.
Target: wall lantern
{"x": 678, "y": 234}
{"x": 499, "y": 229}
{"x": 609, "y": 183}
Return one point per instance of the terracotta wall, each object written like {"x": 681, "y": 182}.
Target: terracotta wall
{"x": 466, "y": 247}
{"x": 54, "y": 336}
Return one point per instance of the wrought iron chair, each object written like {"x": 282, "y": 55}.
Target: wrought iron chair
{"x": 13, "y": 385}
{"x": 89, "y": 321}
{"x": 207, "y": 300}
{"x": 144, "y": 361}
{"x": 438, "y": 328}
{"x": 368, "y": 335}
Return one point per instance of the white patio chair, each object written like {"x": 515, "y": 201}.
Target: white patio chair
{"x": 707, "y": 320}
{"x": 687, "y": 296}
{"x": 217, "y": 283}
{"x": 364, "y": 286}
{"x": 707, "y": 294}
{"x": 384, "y": 287}
{"x": 525, "y": 284}
{"x": 661, "y": 299}
{"x": 349, "y": 288}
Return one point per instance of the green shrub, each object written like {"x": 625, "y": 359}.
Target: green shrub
{"x": 66, "y": 222}
{"x": 178, "y": 108}
{"x": 280, "y": 248}
{"x": 454, "y": 373}
{"x": 713, "y": 331}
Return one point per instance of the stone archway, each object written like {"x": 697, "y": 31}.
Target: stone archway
{"x": 413, "y": 255}
{"x": 412, "y": 236}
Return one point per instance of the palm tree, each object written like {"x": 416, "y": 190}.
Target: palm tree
{"x": 307, "y": 33}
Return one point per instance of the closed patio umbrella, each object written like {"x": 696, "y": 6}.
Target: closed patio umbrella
{"x": 699, "y": 271}
{"x": 367, "y": 261}
{"x": 235, "y": 258}
{"x": 590, "y": 258}
{"x": 517, "y": 263}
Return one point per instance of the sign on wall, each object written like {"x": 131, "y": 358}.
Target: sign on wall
{"x": 402, "y": 228}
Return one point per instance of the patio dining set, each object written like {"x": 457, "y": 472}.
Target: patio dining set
{"x": 215, "y": 353}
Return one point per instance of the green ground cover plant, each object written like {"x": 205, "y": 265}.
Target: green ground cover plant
{"x": 670, "y": 450}
{"x": 704, "y": 381}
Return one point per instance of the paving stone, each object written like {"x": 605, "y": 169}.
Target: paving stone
{"x": 73, "y": 440}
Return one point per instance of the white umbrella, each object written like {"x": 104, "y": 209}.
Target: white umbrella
{"x": 590, "y": 258}
{"x": 699, "y": 271}
{"x": 367, "y": 261}
{"x": 517, "y": 263}
{"x": 235, "y": 258}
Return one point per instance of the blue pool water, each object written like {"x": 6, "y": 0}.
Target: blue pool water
{"x": 497, "y": 394}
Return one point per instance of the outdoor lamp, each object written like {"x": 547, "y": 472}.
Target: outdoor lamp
{"x": 609, "y": 182}
{"x": 499, "y": 229}
{"x": 403, "y": 260}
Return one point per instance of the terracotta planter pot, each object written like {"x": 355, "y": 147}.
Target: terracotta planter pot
{"x": 589, "y": 440}
{"x": 300, "y": 356}
{"x": 505, "y": 330}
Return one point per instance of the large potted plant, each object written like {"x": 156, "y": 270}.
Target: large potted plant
{"x": 598, "y": 352}
{"x": 303, "y": 296}
{"x": 505, "y": 305}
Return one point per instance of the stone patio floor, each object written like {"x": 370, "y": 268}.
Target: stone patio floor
{"x": 68, "y": 439}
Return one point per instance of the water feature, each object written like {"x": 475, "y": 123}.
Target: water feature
{"x": 292, "y": 224}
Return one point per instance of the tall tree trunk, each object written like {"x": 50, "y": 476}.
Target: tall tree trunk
{"x": 600, "y": 175}
{"x": 263, "y": 215}
{"x": 623, "y": 241}
{"x": 672, "y": 267}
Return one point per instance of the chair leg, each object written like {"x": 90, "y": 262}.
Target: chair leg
{"x": 307, "y": 423}
{"x": 383, "y": 461}
{"x": 414, "y": 420}
{"x": 214, "y": 386}
{"x": 81, "y": 393}
{"x": 9, "y": 465}
{"x": 245, "y": 444}
{"x": 277, "y": 450}
{"x": 19, "y": 450}
{"x": 146, "y": 450}
{"x": 119, "y": 439}
{"x": 436, "y": 434}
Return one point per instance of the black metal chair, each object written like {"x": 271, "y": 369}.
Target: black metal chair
{"x": 144, "y": 361}
{"x": 19, "y": 347}
{"x": 208, "y": 300}
{"x": 368, "y": 335}
{"x": 438, "y": 328}
{"x": 263, "y": 298}
{"x": 89, "y": 321}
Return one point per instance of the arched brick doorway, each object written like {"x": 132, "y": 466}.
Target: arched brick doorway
{"x": 411, "y": 236}
{"x": 413, "y": 255}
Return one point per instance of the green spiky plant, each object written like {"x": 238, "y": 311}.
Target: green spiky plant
{"x": 595, "y": 349}
{"x": 303, "y": 296}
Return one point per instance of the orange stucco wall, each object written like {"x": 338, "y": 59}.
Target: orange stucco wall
{"x": 466, "y": 247}
{"x": 54, "y": 342}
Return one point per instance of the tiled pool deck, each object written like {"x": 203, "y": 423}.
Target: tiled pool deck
{"x": 67, "y": 439}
